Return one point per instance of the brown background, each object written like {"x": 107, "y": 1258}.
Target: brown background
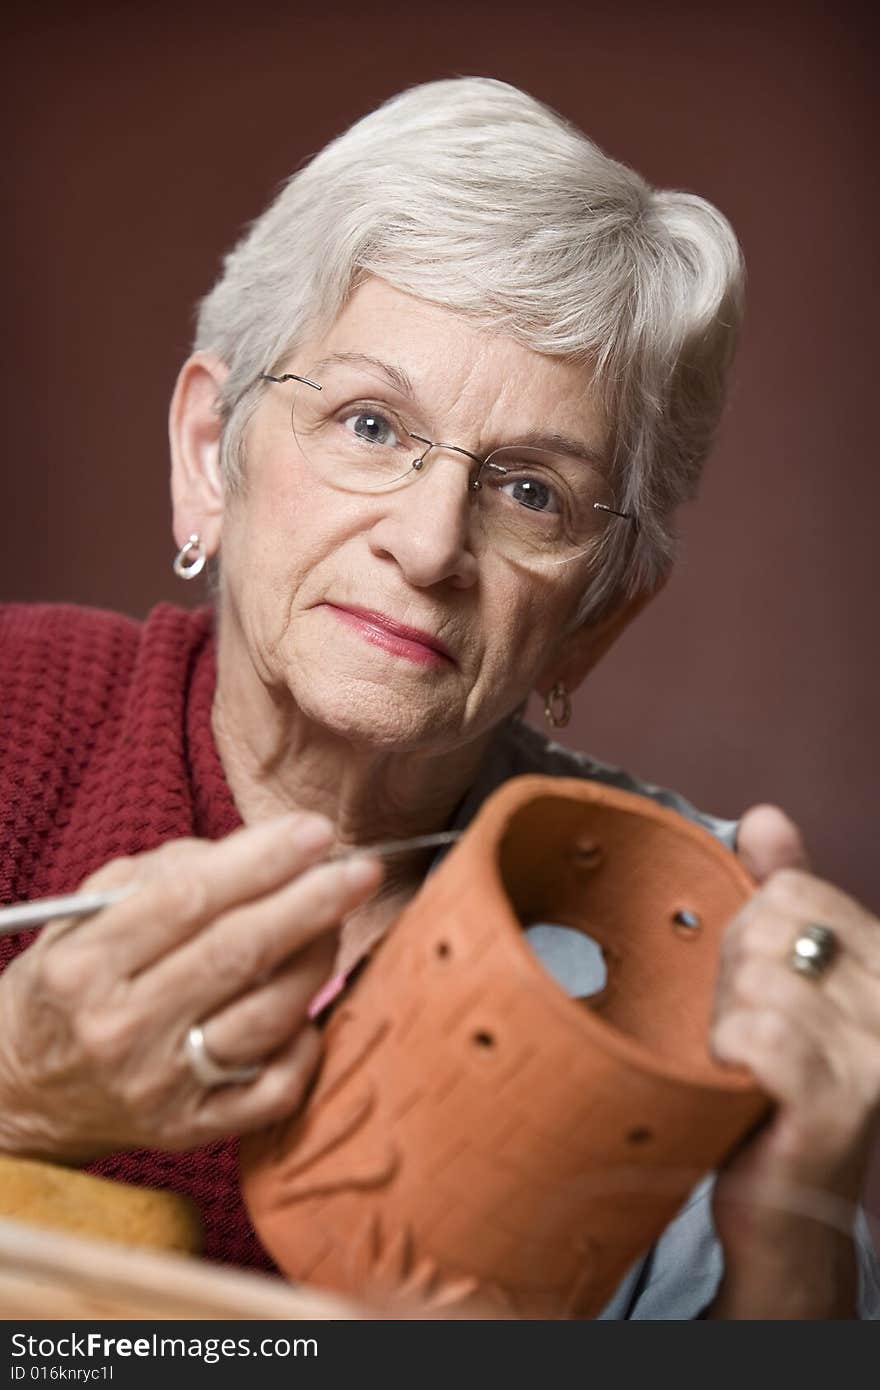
{"x": 139, "y": 140}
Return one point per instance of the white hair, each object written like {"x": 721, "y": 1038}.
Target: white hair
{"x": 471, "y": 194}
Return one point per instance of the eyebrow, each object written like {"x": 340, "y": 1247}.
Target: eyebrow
{"x": 554, "y": 443}
{"x": 396, "y": 375}
{"x": 549, "y": 440}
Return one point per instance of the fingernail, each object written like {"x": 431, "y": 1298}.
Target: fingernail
{"x": 361, "y": 872}
{"x": 313, "y": 833}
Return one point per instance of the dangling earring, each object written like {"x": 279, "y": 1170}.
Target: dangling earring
{"x": 557, "y": 706}
{"x": 184, "y": 568}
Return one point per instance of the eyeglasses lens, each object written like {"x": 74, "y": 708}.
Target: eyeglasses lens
{"x": 361, "y": 433}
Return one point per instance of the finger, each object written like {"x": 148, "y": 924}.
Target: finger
{"x": 128, "y": 870}
{"x": 279, "y": 1090}
{"x": 259, "y": 1023}
{"x": 782, "y": 1059}
{"x": 788, "y": 901}
{"x": 146, "y": 864}
{"x": 117, "y": 873}
{"x": 845, "y": 1000}
{"x": 244, "y": 946}
{"x": 185, "y": 886}
{"x": 807, "y": 1016}
{"x": 828, "y": 1098}
{"x": 845, "y": 995}
{"x": 768, "y": 840}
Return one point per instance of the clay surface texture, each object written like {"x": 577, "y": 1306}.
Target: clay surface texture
{"x": 476, "y": 1139}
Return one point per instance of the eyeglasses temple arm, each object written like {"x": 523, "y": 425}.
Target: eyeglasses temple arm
{"x": 289, "y": 376}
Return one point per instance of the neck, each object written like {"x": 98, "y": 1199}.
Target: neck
{"x": 276, "y": 759}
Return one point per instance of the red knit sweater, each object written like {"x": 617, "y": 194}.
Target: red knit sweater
{"x": 106, "y": 749}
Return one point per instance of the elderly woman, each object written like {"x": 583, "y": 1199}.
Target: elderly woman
{"x": 445, "y": 400}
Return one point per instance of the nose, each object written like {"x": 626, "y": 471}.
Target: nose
{"x": 427, "y": 526}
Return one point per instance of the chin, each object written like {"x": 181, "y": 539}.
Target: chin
{"x": 377, "y": 722}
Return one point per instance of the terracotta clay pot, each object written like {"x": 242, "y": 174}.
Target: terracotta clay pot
{"x": 475, "y": 1134}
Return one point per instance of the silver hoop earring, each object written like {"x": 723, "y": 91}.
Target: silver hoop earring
{"x": 184, "y": 568}
{"x": 557, "y": 706}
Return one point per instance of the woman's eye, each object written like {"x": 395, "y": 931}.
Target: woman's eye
{"x": 372, "y": 426}
{"x": 531, "y": 493}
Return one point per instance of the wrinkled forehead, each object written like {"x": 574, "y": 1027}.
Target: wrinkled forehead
{"x": 455, "y": 370}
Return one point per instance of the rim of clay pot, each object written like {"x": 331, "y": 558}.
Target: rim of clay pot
{"x": 708, "y": 1075}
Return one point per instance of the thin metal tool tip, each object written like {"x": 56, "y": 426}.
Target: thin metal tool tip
{"x": 23, "y": 916}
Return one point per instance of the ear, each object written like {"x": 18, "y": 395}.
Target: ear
{"x": 579, "y": 652}
{"x": 194, "y": 428}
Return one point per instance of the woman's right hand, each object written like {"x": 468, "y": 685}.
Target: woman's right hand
{"x": 236, "y": 935}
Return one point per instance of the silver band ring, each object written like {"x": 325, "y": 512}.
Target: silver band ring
{"x": 813, "y": 950}
{"x": 206, "y": 1070}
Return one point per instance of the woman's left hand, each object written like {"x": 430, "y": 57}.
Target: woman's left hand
{"x": 784, "y": 1203}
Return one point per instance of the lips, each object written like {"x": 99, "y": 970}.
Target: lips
{"x": 386, "y": 624}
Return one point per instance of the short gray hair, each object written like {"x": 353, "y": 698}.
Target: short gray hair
{"x": 471, "y": 194}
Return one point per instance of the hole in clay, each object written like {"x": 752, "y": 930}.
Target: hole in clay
{"x": 483, "y": 1039}
{"x": 639, "y": 1135}
{"x": 575, "y": 960}
{"x": 686, "y": 923}
{"x": 443, "y": 950}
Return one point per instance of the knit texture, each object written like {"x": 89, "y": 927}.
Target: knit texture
{"x": 106, "y": 750}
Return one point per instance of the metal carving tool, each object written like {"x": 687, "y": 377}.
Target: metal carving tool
{"x": 21, "y": 916}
